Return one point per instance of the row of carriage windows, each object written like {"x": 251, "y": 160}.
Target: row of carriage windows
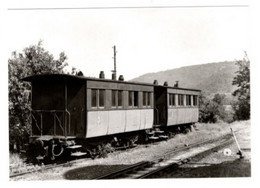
{"x": 191, "y": 100}
{"x": 117, "y": 97}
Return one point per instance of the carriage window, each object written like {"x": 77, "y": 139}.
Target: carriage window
{"x": 135, "y": 98}
{"x": 113, "y": 98}
{"x": 97, "y": 98}
{"x": 180, "y": 100}
{"x": 149, "y": 99}
{"x": 130, "y": 98}
{"x": 93, "y": 98}
{"x": 195, "y": 100}
{"x": 120, "y": 98}
{"x": 144, "y": 98}
{"x": 188, "y": 100}
{"x": 171, "y": 99}
{"x": 101, "y": 98}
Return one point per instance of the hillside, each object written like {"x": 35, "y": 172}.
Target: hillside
{"x": 211, "y": 78}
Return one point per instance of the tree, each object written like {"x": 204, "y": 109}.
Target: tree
{"x": 208, "y": 110}
{"x": 219, "y": 98}
{"x": 242, "y": 80}
{"x": 212, "y": 110}
{"x": 34, "y": 60}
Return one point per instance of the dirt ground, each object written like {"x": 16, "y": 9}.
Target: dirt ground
{"x": 223, "y": 163}
{"x": 148, "y": 152}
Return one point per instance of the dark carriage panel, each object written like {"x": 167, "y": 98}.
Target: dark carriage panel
{"x": 76, "y": 105}
{"x": 160, "y": 105}
{"x": 48, "y": 95}
{"x": 58, "y": 106}
{"x": 48, "y": 98}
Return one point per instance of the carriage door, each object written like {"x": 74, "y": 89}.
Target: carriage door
{"x": 160, "y": 105}
{"x": 76, "y": 94}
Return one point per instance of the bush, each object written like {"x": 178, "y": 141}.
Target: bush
{"x": 242, "y": 80}
{"x": 242, "y": 110}
{"x": 208, "y": 111}
{"x": 213, "y": 110}
{"x": 104, "y": 149}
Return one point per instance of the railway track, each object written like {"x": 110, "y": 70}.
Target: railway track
{"x": 173, "y": 162}
{"x": 145, "y": 169}
{"x": 47, "y": 167}
{"x": 139, "y": 170}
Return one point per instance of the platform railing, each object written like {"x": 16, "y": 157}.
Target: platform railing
{"x": 63, "y": 126}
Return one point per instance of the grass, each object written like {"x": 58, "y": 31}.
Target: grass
{"x": 18, "y": 164}
{"x": 15, "y": 161}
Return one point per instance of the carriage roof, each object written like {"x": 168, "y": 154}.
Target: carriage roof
{"x": 39, "y": 77}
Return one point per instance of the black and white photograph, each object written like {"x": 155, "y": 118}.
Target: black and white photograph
{"x": 118, "y": 91}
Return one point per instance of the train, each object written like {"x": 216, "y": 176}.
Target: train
{"x": 75, "y": 115}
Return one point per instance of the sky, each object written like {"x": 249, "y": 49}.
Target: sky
{"x": 147, "y": 39}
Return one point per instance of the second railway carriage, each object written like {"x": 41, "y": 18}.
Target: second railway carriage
{"x": 175, "y": 106}
{"x": 68, "y": 108}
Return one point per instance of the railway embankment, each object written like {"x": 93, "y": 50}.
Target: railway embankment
{"x": 87, "y": 168}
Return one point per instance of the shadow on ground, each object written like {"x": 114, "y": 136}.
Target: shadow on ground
{"x": 91, "y": 172}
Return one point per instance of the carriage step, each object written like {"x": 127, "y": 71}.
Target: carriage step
{"x": 78, "y": 154}
{"x": 153, "y": 138}
{"x": 39, "y": 157}
{"x": 159, "y": 132}
{"x": 150, "y": 133}
{"x": 74, "y": 147}
{"x": 163, "y": 137}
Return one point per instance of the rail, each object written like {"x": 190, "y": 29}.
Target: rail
{"x": 120, "y": 172}
{"x": 56, "y": 120}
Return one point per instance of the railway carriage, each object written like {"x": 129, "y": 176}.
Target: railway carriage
{"x": 68, "y": 109}
{"x": 174, "y": 106}
{"x": 117, "y": 107}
